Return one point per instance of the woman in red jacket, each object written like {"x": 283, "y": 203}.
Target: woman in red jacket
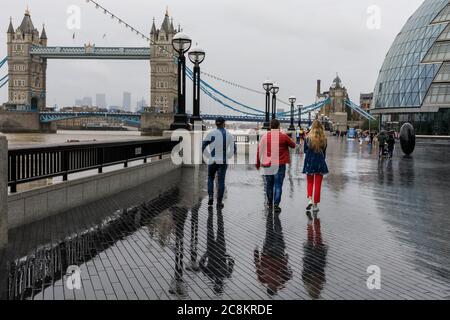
{"x": 273, "y": 155}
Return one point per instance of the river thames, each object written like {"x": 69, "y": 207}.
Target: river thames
{"x": 63, "y": 136}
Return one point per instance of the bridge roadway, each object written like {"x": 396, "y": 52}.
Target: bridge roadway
{"x": 135, "y": 118}
{"x": 392, "y": 214}
{"x": 92, "y": 52}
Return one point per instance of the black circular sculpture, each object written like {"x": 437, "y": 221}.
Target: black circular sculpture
{"x": 407, "y": 138}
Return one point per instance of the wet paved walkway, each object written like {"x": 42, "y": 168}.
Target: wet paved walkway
{"x": 161, "y": 241}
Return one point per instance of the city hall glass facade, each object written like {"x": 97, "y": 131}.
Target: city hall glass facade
{"x": 414, "y": 81}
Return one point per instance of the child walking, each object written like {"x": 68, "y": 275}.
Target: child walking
{"x": 315, "y": 166}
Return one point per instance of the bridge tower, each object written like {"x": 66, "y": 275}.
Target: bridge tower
{"x": 336, "y": 109}
{"x": 338, "y": 95}
{"x": 163, "y": 78}
{"x": 27, "y": 74}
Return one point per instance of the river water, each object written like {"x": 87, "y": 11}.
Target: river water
{"x": 63, "y": 136}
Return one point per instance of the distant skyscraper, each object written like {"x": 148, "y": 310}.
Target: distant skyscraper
{"x": 100, "y": 100}
{"x": 126, "y": 101}
{"x": 78, "y": 102}
{"x": 141, "y": 104}
{"x": 87, "y": 102}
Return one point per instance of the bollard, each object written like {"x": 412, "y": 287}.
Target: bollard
{"x": 3, "y": 191}
{"x": 407, "y": 138}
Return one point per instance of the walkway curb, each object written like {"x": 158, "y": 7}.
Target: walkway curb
{"x": 3, "y": 191}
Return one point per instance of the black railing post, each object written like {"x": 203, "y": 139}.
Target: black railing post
{"x": 65, "y": 164}
{"x": 100, "y": 159}
{"x": 13, "y": 171}
{"x": 127, "y": 156}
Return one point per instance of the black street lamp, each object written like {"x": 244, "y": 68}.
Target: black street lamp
{"x": 275, "y": 89}
{"x": 299, "y": 106}
{"x": 181, "y": 43}
{"x": 292, "y": 100}
{"x": 267, "y": 85}
{"x": 197, "y": 56}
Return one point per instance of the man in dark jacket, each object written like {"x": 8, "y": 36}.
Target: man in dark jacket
{"x": 391, "y": 144}
{"x": 381, "y": 143}
{"x": 222, "y": 148}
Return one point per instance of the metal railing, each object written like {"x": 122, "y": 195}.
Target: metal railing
{"x": 241, "y": 138}
{"x": 42, "y": 162}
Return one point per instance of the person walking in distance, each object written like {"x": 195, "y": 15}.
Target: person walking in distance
{"x": 273, "y": 156}
{"x": 315, "y": 166}
{"x": 222, "y": 148}
{"x": 391, "y": 144}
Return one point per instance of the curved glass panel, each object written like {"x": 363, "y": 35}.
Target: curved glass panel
{"x": 445, "y": 34}
{"x": 439, "y": 94}
{"x": 444, "y": 73}
{"x": 403, "y": 81}
{"x": 444, "y": 16}
{"x": 438, "y": 53}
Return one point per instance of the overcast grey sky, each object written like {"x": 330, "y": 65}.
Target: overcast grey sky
{"x": 294, "y": 42}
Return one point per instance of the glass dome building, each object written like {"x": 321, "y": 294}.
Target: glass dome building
{"x": 414, "y": 81}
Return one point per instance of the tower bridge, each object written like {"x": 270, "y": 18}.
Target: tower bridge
{"x": 27, "y": 58}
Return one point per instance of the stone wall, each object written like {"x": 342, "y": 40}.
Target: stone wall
{"x": 154, "y": 124}
{"x": 23, "y": 122}
{"x": 37, "y": 204}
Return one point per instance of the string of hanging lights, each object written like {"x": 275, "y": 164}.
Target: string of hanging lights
{"x": 161, "y": 48}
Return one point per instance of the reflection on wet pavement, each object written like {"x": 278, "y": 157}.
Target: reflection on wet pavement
{"x": 161, "y": 241}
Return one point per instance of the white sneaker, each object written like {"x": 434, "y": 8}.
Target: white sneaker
{"x": 316, "y": 208}
{"x": 310, "y": 205}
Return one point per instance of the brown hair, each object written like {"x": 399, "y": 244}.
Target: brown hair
{"x": 317, "y": 138}
{"x": 275, "y": 124}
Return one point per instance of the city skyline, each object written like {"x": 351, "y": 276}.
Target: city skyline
{"x": 101, "y": 101}
{"x": 296, "y": 71}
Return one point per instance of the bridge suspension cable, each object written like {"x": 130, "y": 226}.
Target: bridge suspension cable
{"x": 215, "y": 98}
{"x": 310, "y": 108}
{"x": 2, "y": 62}
{"x": 359, "y": 110}
{"x": 161, "y": 48}
{"x": 4, "y": 83}
{"x": 204, "y": 83}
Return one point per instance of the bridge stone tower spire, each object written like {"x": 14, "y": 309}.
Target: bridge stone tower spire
{"x": 337, "y": 110}
{"x": 27, "y": 73}
{"x": 163, "y": 78}
{"x": 338, "y": 95}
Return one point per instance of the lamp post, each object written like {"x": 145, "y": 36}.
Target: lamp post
{"x": 181, "y": 43}
{"x": 275, "y": 89}
{"x": 267, "y": 85}
{"x": 292, "y": 100}
{"x": 197, "y": 56}
{"x": 309, "y": 118}
{"x": 300, "y": 106}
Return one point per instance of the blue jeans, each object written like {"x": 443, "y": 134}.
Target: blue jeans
{"x": 221, "y": 171}
{"x": 274, "y": 185}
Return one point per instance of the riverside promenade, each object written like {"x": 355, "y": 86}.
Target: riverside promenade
{"x": 161, "y": 241}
